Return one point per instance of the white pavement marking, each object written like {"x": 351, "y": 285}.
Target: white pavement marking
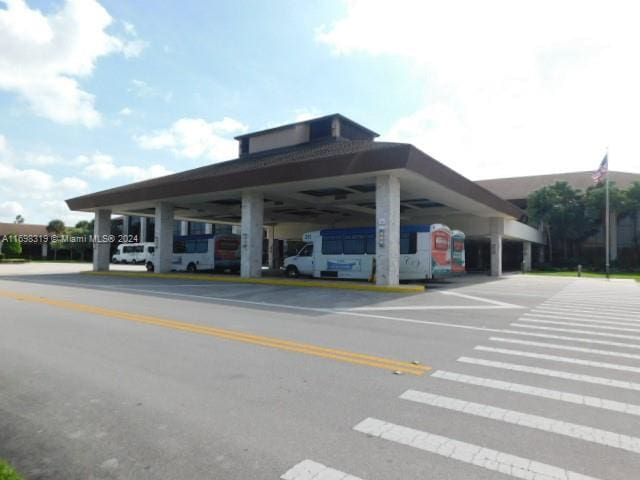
{"x": 310, "y": 470}
{"x": 574, "y": 339}
{"x": 557, "y": 358}
{"x": 482, "y": 299}
{"x": 588, "y": 307}
{"x": 558, "y": 395}
{"x": 494, "y": 460}
{"x": 581, "y": 324}
{"x": 574, "y": 330}
{"x": 581, "y": 319}
{"x": 609, "y": 382}
{"x": 608, "y": 353}
{"x": 426, "y": 307}
{"x": 572, "y": 312}
{"x": 537, "y": 422}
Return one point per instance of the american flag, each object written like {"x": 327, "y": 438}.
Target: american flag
{"x": 602, "y": 170}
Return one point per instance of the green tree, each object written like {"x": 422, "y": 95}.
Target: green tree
{"x": 11, "y": 247}
{"x": 560, "y": 210}
{"x": 19, "y": 219}
{"x": 56, "y": 227}
{"x": 631, "y": 205}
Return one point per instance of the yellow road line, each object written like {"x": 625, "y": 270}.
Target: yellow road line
{"x": 285, "y": 282}
{"x": 287, "y": 345}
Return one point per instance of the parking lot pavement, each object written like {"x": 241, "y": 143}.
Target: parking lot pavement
{"x": 131, "y": 378}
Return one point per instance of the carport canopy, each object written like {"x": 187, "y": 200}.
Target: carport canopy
{"x": 325, "y": 172}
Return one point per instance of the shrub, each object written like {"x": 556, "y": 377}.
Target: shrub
{"x": 8, "y": 473}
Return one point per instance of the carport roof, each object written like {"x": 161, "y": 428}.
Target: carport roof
{"x": 310, "y": 161}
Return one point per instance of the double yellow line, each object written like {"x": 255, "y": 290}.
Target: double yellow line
{"x": 305, "y": 348}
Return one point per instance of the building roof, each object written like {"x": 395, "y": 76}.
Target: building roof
{"x": 289, "y": 125}
{"x": 332, "y": 158}
{"x": 22, "y": 229}
{"x": 517, "y": 188}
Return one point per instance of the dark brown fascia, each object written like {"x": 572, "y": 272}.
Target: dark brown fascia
{"x": 348, "y": 164}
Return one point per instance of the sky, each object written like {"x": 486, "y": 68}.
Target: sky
{"x": 99, "y": 94}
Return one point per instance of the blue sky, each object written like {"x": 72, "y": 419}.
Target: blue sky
{"x": 97, "y": 94}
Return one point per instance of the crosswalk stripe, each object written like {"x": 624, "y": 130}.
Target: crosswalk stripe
{"x": 572, "y": 312}
{"x": 308, "y": 470}
{"x": 576, "y": 324}
{"x": 494, "y": 460}
{"x": 558, "y": 346}
{"x": 594, "y": 321}
{"x": 590, "y": 307}
{"x": 557, "y": 358}
{"x": 573, "y": 339}
{"x": 578, "y": 377}
{"x": 537, "y": 422}
{"x": 575, "y": 330}
{"x": 568, "y": 397}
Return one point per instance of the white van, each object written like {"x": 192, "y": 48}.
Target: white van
{"x": 203, "y": 252}
{"x": 425, "y": 253}
{"x": 133, "y": 253}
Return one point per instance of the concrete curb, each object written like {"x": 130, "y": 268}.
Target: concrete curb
{"x": 285, "y": 282}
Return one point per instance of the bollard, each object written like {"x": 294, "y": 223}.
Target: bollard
{"x": 579, "y": 270}
{"x": 523, "y": 267}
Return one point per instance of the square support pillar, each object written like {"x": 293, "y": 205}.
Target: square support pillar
{"x": 252, "y": 233}
{"x": 184, "y": 228}
{"x": 143, "y": 229}
{"x": 163, "y": 237}
{"x": 526, "y": 256}
{"x": 101, "y": 242}
{"x": 208, "y": 228}
{"x": 270, "y": 230}
{"x": 387, "y": 230}
{"x": 497, "y": 231}
{"x": 126, "y": 223}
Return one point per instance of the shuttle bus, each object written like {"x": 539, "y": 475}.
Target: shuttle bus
{"x": 133, "y": 253}
{"x": 457, "y": 252}
{"x": 203, "y": 252}
{"x": 425, "y": 253}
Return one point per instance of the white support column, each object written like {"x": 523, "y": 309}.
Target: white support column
{"x": 143, "y": 229}
{"x": 44, "y": 252}
{"x": 387, "y": 230}
{"x": 184, "y": 227}
{"x": 497, "y": 230}
{"x": 526, "y": 255}
{"x": 613, "y": 234}
{"x": 208, "y": 228}
{"x": 125, "y": 225}
{"x": 163, "y": 237}
{"x": 271, "y": 242}
{"x": 251, "y": 227}
{"x": 101, "y": 243}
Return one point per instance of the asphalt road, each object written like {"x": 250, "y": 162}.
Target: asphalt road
{"x": 121, "y": 378}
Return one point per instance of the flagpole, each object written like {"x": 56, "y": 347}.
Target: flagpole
{"x": 607, "y": 219}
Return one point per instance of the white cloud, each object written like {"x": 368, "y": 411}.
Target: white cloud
{"x": 43, "y": 56}
{"x": 509, "y": 88}
{"x": 125, "y": 112}
{"x": 196, "y": 138}
{"x": 9, "y": 211}
{"x": 102, "y": 167}
{"x": 142, "y": 89}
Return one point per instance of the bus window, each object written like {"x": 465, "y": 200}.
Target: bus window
{"x": 441, "y": 242}
{"x": 190, "y": 246}
{"x": 139, "y": 249}
{"x": 228, "y": 244}
{"x": 127, "y": 250}
{"x": 408, "y": 243}
{"x": 307, "y": 251}
{"x": 331, "y": 245}
{"x": 458, "y": 245}
{"x": 353, "y": 244}
{"x": 151, "y": 249}
{"x": 371, "y": 244}
{"x": 178, "y": 246}
{"x": 202, "y": 246}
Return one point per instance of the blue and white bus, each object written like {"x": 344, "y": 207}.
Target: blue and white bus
{"x": 425, "y": 253}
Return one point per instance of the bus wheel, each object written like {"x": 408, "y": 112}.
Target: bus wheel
{"x": 292, "y": 272}
{"x": 149, "y": 267}
{"x": 191, "y": 268}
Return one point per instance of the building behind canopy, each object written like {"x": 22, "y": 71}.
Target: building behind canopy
{"x": 328, "y": 172}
